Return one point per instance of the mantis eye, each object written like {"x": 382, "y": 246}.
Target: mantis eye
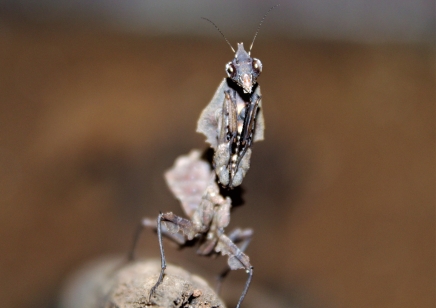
{"x": 257, "y": 66}
{"x": 230, "y": 69}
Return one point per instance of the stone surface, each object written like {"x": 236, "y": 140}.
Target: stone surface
{"x": 114, "y": 283}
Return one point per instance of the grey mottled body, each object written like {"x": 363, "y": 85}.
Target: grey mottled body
{"x": 233, "y": 119}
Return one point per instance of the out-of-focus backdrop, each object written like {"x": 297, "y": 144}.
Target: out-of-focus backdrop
{"x": 98, "y": 98}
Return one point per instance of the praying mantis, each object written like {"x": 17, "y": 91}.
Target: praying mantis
{"x": 231, "y": 122}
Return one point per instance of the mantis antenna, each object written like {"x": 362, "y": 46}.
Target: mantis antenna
{"x": 260, "y": 24}
{"x": 220, "y": 32}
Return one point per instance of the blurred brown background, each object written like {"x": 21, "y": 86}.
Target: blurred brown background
{"x": 340, "y": 194}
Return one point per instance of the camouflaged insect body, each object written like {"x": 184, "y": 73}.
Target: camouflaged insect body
{"x": 233, "y": 120}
